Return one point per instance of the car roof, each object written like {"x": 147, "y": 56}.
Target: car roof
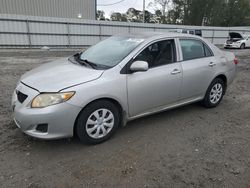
{"x": 148, "y": 35}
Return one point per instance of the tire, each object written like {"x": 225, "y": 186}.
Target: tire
{"x": 97, "y": 122}
{"x": 242, "y": 46}
{"x": 215, "y": 93}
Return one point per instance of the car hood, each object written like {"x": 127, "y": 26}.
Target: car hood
{"x": 58, "y": 75}
{"x": 234, "y": 35}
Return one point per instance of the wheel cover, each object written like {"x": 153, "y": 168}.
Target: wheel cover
{"x": 100, "y": 123}
{"x": 216, "y": 93}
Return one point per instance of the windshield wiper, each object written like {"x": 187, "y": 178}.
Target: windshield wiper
{"x": 93, "y": 65}
{"x": 84, "y": 62}
{"x": 72, "y": 60}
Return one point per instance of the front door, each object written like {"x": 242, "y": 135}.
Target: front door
{"x": 160, "y": 85}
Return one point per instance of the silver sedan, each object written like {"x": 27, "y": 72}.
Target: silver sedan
{"x": 119, "y": 79}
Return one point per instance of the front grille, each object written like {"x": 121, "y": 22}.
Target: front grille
{"x": 21, "y": 97}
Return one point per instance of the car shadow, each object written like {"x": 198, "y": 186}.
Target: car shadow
{"x": 160, "y": 116}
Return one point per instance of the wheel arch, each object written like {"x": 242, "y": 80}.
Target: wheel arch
{"x": 223, "y": 77}
{"x": 122, "y": 111}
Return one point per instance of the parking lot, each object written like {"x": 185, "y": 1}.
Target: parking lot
{"x": 186, "y": 147}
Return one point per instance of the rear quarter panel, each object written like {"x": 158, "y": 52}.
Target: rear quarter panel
{"x": 226, "y": 65}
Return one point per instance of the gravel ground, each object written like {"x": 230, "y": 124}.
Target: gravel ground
{"x": 187, "y": 147}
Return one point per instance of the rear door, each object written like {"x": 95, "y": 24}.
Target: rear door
{"x": 198, "y": 68}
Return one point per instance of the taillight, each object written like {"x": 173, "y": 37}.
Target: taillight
{"x": 236, "y": 61}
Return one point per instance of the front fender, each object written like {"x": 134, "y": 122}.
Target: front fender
{"x": 111, "y": 87}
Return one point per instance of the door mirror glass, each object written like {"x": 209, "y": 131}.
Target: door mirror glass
{"x": 139, "y": 66}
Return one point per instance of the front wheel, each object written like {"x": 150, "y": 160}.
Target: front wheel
{"x": 214, "y": 93}
{"x": 242, "y": 46}
{"x": 98, "y": 122}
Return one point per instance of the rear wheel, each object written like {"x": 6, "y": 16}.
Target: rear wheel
{"x": 98, "y": 122}
{"x": 214, "y": 93}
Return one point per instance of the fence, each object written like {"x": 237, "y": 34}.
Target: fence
{"x": 32, "y": 32}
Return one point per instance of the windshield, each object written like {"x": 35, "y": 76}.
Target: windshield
{"x": 111, "y": 51}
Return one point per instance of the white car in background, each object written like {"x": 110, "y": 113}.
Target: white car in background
{"x": 236, "y": 40}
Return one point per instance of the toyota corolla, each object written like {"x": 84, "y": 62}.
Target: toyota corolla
{"x": 119, "y": 79}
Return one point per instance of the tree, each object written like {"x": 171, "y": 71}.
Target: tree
{"x": 100, "y": 15}
{"x": 164, "y": 7}
{"x": 133, "y": 15}
{"x": 237, "y": 12}
{"x": 117, "y": 16}
{"x": 192, "y": 12}
{"x": 209, "y": 12}
{"x": 148, "y": 17}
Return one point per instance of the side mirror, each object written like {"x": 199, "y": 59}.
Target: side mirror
{"x": 139, "y": 66}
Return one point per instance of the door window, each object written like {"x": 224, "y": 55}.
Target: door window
{"x": 158, "y": 53}
{"x": 194, "y": 49}
{"x": 208, "y": 52}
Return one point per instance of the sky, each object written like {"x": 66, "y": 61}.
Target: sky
{"x": 121, "y": 7}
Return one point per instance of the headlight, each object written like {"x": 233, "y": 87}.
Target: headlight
{"x": 48, "y": 99}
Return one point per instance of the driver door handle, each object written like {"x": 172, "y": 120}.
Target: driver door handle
{"x": 175, "y": 71}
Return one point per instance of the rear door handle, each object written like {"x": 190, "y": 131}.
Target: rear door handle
{"x": 212, "y": 64}
{"x": 175, "y": 71}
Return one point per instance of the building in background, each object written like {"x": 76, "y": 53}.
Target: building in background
{"x": 82, "y": 9}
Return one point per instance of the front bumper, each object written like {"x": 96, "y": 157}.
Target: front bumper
{"x": 233, "y": 45}
{"x": 59, "y": 118}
